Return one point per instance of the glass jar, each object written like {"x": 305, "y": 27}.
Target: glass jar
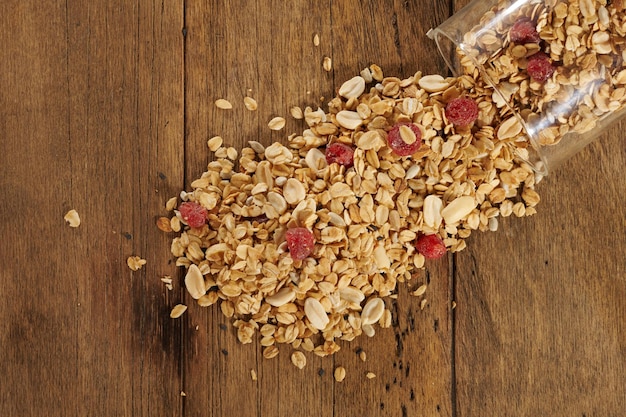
{"x": 558, "y": 66}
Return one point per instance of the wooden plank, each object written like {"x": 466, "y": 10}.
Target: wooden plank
{"x": 540, "y": 315}
{"x": 539, "y": 324}
{"x": 95, "y": 98}
{"x": 265, "y": 49}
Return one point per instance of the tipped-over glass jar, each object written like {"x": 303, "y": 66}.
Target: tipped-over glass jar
{"x": 557, "y": 66}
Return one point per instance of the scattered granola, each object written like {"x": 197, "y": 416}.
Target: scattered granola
{"x": 418, "y": 185}
{"x": 340, "y": 373}
{"x": 135, "y": 263}
{"x": 178, "y": 311}
{"x": 72, "y": 218}
{"x": 223, "y": 104}
{"x": 327, "y": 64}
{"x": 250, "y": 103}
{"x": 364, "y": 219}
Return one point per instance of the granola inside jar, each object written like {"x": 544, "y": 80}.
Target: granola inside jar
{"x": 557, "y": 69}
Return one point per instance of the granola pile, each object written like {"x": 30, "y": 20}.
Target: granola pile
{"x": 365, "y": 215}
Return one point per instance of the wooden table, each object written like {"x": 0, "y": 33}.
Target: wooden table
{"x": 106, "y": 107}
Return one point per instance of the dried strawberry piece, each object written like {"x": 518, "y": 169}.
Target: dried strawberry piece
{"x": 431, "y": 246}
{"x": 540, "y": 67}
{"x": 399, "y": 145}
{"x": 193, "y": 214}
{"x": 523, "y": 31}
{"x": 340, "y": 154}
{"x": 462, "y": 111}
{"x": 300, "y": 242}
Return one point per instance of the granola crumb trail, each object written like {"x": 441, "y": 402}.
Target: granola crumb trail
{"x": 370, "y": 375}
{"x": 135, "y": 263}
{"x": 72, "y": 218}
{"x": 316, "y": 40}
{"x": 253, "y": 375}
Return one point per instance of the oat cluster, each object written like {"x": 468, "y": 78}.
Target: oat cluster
{"x": 367, "y": 217}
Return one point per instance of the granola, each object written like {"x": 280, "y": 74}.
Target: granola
{"x": 366, "y": 217}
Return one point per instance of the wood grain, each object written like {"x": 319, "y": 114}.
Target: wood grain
{"x": 106, "y": 108}
{"x": 91, "y": 120}
{"x": 541, "y": 331}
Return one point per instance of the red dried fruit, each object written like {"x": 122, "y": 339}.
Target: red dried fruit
{"x": 340, "y": 154}
{"x": 193, "y": 214}
{"x": 462, "y": 111}
{"x": 300, "y": 242}
{"x": 523, "y": 31}
{"x": 540, "y": 67}
{"x": 398, "y": 145}
{"x": 431, "y": 246}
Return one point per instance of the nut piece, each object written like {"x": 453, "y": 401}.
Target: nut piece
{"x": 135, "y": 262}
{"x": 432, "y": 211}
{"x": 433, "y": 83}
{"x": 340, "y": 373}
{"x": 370, "y": 375}
{"x": 368, "y": 330}
{"x": 178, "y": 311}
{"x": 298, "y": 359}
{"x": 349, "y": 119}
{"x": 72, "y": 218}
{"x": 294, "y": 191}
{"x": 352, "y": 88}
{"x": 316, "y": 40}
{"x": 223, "y": 104}
{"x": 352, "y": 295}
{"x": 283, "y": 296}
{"x": 458, "y": 209}
{"x": 373, "y": 311}
{"x": 194, "y": 281}
{"x": 316, "y": 314}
